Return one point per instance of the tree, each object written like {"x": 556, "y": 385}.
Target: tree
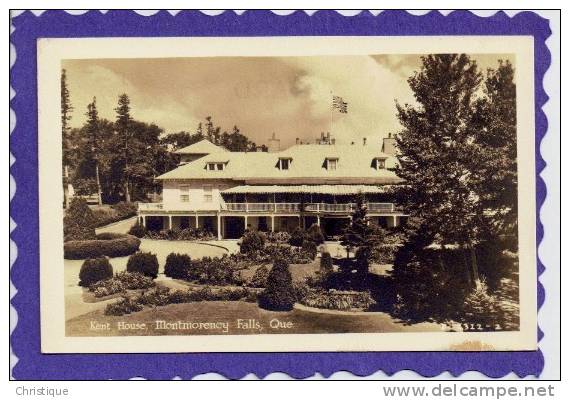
{"x": 361, "y": 235}
{"x": 93, "y": 141}
{"x": 123, "y": 132}
{"x": 66, "y": 109}
{"x": 79, "y": 221}
{"x": 438, "y": 157}
{"x": 279, "y": 294}
{"x": 495, "y": 117}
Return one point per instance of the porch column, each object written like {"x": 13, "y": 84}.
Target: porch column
{"x": 395, "y": 220}
{"x": 196, "y": 218}
{"x": 219, "y": 227}
{"x": 170, "y": 222}
{"x": 245, "y": 222}
{"x": 318, "y": 220}
{"x": 273, "y": 223}
{"x": 144, "y": 220}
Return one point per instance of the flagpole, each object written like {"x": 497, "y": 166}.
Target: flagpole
{"x": 332, "y": 110}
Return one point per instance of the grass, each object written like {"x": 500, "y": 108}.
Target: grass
{"x": 300, "y": 321}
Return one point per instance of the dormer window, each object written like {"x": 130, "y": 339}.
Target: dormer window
{"x": 284, "y": 163}
{"x": 379, "y": 163}
{"x": 331, "y": 164}
{"x": 215, "y": 166}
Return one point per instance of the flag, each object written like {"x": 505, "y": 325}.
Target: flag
{"x": 339, "y": 104}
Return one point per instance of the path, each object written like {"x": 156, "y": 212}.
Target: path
{"x": 122, "y": 226}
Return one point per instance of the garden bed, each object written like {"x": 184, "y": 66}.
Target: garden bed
{"x": 106, "y": 244}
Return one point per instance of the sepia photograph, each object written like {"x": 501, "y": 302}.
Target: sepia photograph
{"x": 320, "y": 195}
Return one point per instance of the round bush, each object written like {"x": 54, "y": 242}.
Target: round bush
{"x": 252, "y": 241}
{"x": 177, "y": 265}
{"x": 94, "y": 270}
{"x": 315, "y": 234}
{"x": 298, "y": 237}
{"x": 279, "y": 295}
{"x": 105, "y": 244}
{"x": 137, "y": 230}
{"x": 144, "y": 263}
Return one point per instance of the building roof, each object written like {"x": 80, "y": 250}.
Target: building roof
{"x": 312, "y": 189}
{"x": 308, "y": 166}
{"x": 204, "y": 146}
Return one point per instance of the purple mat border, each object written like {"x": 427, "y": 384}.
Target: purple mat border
{"x": 25, "y": 339}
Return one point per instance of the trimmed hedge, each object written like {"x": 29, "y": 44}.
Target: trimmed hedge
{"x": 144, "y": 263}
{"x": 94, "y": 270}
{"x": 105, "y": 244}
{"x": 279, "y": 295}
{"x": 177, "y": 265}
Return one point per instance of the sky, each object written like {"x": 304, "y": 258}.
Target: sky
{"x": 288, "y": 96}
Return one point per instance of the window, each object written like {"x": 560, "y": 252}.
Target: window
{"x": 332, "y": 164}
{"x": 284, "y": 163}
{"x": 215, "y": 166}
{"x": 208, "y": 193}
{"x": 380, "y": 163}
{"x": 184, "y": 193}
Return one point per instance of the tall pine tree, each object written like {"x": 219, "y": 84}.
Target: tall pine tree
{"x": 66, "y": 109}
{"x": 94, "y": 142}
{"x": 124, "y": 134}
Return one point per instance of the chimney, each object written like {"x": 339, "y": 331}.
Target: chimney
{"x": 274, "y": 144}
{"x": 389, "y": 145}
{"x": 364, "y": 141}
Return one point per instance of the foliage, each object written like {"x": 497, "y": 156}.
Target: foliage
{"x": 259, "y": 278}
{"x": 383, "y": 254}
{"x": 309, "y": 248}
{"x": 326, "y": 265}
{"x": 124, "y": 306}
{"x": 144, "y": 263}
{"x": 120, "y": 282}
{"x": 278, "y": 237}
{"x": 482, "y": 310}
{"x": 94, "y": 270}
{"x": 119, "y": 245}
{"x": 177, "y": 265}
{"x": 293, "y": 255}
{"x": 298, "y": 237}
{"x": 252, "y": 241}
{"x": 138, "y": 230}
{"x": 315, "y": 234}
{"x": 214, "y": 271}
{"x": 180, "y": 234}
{"x": 66, "y": 109}
{"x": 279, "y": 295}
{"x": 78, "y": 222}
{"x": 338, "y": 300}
{"x": 362, "y": 235}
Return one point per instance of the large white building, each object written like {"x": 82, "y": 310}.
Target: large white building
{"x": 227, "y": 192}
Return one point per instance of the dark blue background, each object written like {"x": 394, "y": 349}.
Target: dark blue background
{"x": 25, "y": 339}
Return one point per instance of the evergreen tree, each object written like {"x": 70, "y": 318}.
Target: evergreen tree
{"x": 361, "y": 235}
{"x": 279, "y": 294}
{"x": 124, "y": 134}
{"x": 437, "y": 153}
{"x": 94, "y": 142}
{"x": 66, "y": 109}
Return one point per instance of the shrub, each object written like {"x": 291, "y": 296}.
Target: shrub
{"x": 481, "y": 310}
{"x": 144, "y": 263}
{"x": 298, "y": 237}
{"x": 124, "y": 209}
{"x": 301, "y": 290}
{"x": 338, "y": 300}
{"x": 278, "y": 237}
{"x": 124, "y": 306}
{"x": 259, "y": 278}
{"x": 105, "y": 244}
{"x": 121, "y": 282}
{"x": 279, "y": 294}
{"x": 326, "y": 266}
{"x": 94, "y": 270}
{"x": 157, "y": 297}
{"x": 214, "y": 271}
{"x": 252, "y": 241}
{"x": 177, "y": 265}
{"x": 180, "y": 234}
{"x": 137, "y": 230}
{"x": 309, "y": 248}
{"x": 78, "y": 222}
{"x": 383, "y": 254}
{"x": 315, "y": 234}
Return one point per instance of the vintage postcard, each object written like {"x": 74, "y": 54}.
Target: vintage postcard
{"x": 316, "y": 193}
{"x": 284, "y": 194}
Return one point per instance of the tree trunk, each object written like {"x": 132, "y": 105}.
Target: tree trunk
{"x": 65, "y": 186}
{"x": 127, "y": 194}
{"x": 474, "y": 267}
{"x": 467, "y": 270}
{"x": 98, "y": 184}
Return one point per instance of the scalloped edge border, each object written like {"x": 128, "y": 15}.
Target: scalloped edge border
{"x": 28, "y": 26}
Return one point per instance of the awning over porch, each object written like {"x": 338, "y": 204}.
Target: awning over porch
{"x": 308, "y": 189}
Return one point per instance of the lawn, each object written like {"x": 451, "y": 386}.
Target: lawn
{"x": 227, "y": 314}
